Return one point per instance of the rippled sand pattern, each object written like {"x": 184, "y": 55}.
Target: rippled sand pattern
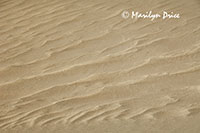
{"x": 76, "y": 66}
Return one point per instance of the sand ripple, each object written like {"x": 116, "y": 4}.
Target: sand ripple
{"x": 68, "y": 63}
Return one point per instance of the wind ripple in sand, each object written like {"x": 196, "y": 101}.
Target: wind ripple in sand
{"x": 76, "y": 62}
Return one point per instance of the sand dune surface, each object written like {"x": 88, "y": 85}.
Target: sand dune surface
{"x": 79, "y": 66}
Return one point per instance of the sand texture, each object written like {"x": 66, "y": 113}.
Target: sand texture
{"x": 77, "y": 66}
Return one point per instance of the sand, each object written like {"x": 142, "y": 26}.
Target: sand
{"x": 78, "y": 66}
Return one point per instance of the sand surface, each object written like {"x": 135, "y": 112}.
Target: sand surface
{"x": 77, "y": 66}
